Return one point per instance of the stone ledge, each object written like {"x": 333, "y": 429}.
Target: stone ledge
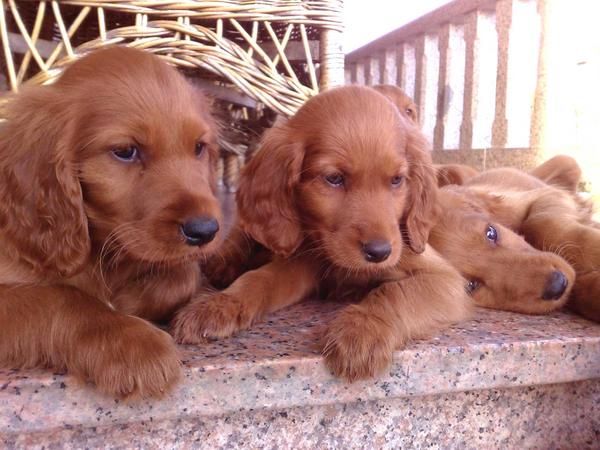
{"x": 277, "y": 366}
{"x": 551, "y": 416}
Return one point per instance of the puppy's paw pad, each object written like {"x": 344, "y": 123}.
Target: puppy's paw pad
{"x": 211, "y": 316}
{"x": 356, "y": 347}
{"x": 140, "y": 361}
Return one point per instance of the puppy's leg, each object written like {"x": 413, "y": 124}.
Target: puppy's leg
{"x": 549, "y": 227}
{"x": 360, "y": 341}
{"x": 237, "y": 254}
{"x": 561, "y": 170}
{"x": 155, "y": 296}
{"x": 552, "y": 225}
{"x": 63, "y": 328}
{"x": 275, "y": 285}
{"x": 579, "y": 244}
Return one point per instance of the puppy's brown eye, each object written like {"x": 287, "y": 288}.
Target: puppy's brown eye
{"x": 335, "y": 179}
{"x": 127, "y": 154}
{"x": 472, "y": 286}
{"x": 409, "y": 112}
{"x": 491, "y": 234}
{"x": 200, "y": 146}
{"x": 397, "y": 180}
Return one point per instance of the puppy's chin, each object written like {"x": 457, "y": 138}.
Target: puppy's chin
{"x": 142, "y": 247}
{"x": 519, "y": 305}
{"x": 180, "y": 253}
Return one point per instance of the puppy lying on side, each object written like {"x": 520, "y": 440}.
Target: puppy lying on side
{"x": 558, "y": 257}
{"x": 561, "y": 171}
{"x": 504, "y": 270}
{"x": 107, "y": 204}
{"x": 344, "y": 195}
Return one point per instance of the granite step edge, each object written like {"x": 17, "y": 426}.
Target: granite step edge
{"x": 55, "y": 401}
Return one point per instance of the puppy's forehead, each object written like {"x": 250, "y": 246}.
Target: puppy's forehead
{"x": 350, "y": 103}
{"x": 157, "y": 92}
{"x": 356, "y": 121}
{"x": 125, "y": 80}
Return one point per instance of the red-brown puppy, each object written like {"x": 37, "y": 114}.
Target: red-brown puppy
{"x": 107, "y": 205}
{"x": 403, "y": 102}
{"x": 556, "y": 259}
{"x": 502, "y": 269}
{"x": 344, "y": 194}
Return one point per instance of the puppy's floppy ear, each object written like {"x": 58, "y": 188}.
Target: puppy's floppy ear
{"x": 421, "y": 209}
{"x": 41, "y": 215}
{"x": 265, "y": 196}
{"x": 458, "y": 174}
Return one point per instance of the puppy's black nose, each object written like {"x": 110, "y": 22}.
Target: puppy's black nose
{"x": 199, "y": 230}
{"x": 555, "y": 286}
{"x": 377, "y": 250}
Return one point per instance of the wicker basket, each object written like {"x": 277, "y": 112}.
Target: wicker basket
{"x": 258, "y": 58}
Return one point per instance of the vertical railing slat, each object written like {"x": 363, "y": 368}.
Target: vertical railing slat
{"x": 390, "y": 70}
{"x": 443, "y": 88}
{"x": 353, "y": 69}
{"x": 455, "y": 82}
{"x": 409, "y": 70}
{"x": 372, "y": 69}
{"x": 360, "y": 73}
{"x": 420, "y": 68}
{"x": 347, "y": 75}
{"x": 426, "y": 83}
{"x": 400, "y": 68}
{"x": 466, "y": 127}
{"x": 522, "y": 71}
{"x": 484, "y": 77}
{"x": 503, "y": 21}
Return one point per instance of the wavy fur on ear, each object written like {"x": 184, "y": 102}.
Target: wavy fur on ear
{"x": 42, "y": 212}
{"x": 421, "y": 212}
{"x": 266, "y": 192}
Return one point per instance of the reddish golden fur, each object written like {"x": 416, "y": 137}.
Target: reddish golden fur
{"x": 316, "y": 231}
{"x": 560, "y": 171}
{"x": 446, "y": 173}
{"x": 557, "y": 230}
{"x": 454, "y": 174}
{"x": 401, "y": 100}
{"x": 87, "y": 242}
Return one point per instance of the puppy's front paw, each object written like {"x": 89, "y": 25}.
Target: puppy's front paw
{"x": 358, "y": 345}
{"x": 132, "y": 359}
{"x": 211, "y": 316}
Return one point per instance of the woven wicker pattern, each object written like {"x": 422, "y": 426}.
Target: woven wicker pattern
{"x": 277, "y": 53}
{"x": 174, "y": 34}
{"x": 319, "y": 13}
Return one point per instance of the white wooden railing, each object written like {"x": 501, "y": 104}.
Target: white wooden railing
{"x": 497, "y": 82}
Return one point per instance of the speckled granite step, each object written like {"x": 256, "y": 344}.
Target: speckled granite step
{"x": 500, "y": 379}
